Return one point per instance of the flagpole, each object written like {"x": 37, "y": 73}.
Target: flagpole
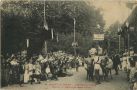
{"x": 44, "y": 13}
{"x": 74, "y": 30}
{"x": 46, "y": 47}
{"x": 74, "y": 36}
{"x": 45, "y": 27}
{"x": 119, "y": 39}
{"x": 128, "y": 44}
{"x": 44, "y": 22}
{"x": 128, "y": 37}
{"x": 119, "y": 43}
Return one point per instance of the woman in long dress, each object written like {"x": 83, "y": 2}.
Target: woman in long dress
{"x": 48, "y": 72}
{"x": 38, "y": 71}
{"x": 26, "y": 74}
{"x": 31, "y": 70}
{"x": 124, "y": 62}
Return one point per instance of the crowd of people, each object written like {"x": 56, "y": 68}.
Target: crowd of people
{"x": 129, "y": 66}
{"x": 19, "y": 69}
{"x": 99, "y": 65}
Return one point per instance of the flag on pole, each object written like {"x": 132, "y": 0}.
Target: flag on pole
{"x": 45, "y": 47}
{"x": 52, "y": 33}
{"x": 74, "y": 21}
{"x": 57, "y": 37}
{"x": 45, "y": 22}
{"x": 27, "y": 43}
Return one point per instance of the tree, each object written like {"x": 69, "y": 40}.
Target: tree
{"x": 24, "y": 19}
{"x": 112, "y": 33}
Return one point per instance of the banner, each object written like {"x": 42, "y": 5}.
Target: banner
{"x": 99, "y": 37}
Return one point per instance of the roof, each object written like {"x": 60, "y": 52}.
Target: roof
{"x": 132, "y": 19}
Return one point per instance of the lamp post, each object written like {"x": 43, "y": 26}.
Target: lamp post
{"x": 127, "y": 25}
{"x": 108, "y": 46}
{"x": 119, "y": 39}
{"x": 74, "y": 41}
{"x": 128, "y": 43}
{"x": 74, "y": 29}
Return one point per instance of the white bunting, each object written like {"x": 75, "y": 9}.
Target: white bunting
{"x": 27, "y": 43}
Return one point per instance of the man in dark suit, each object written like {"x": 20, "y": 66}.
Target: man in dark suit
{"x": 116, "y": 62}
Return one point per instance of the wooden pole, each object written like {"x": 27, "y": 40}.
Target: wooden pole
{"x": 119, "y": 43}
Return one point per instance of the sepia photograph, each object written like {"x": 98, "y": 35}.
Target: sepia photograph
{"x": 68, "y": 45}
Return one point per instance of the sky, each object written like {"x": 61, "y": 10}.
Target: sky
{"x": 112, "y": 10}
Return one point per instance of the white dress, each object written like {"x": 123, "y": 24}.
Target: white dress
{"x": 135, "y": 86}
{"x": 132, "y": 72}
{"x": 47, "y": 70}
{"x": 38, "y": 69}
{"x": 97, "y": 59}
{"x": 26, "y": 74}
{"x": 31, "y": 67}
{"x": 110, "y": 64}
{"x": 124, "y": 63}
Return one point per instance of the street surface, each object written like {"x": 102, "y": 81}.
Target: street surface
{"x": 76, "y": 82}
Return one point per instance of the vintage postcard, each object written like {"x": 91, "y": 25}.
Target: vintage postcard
{"x": 68, "y": 44}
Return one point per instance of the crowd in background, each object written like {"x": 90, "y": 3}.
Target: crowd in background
{"x": 129, "y": 66}
{"x": 99, "y": 65}
{"x": 19, "y": 69}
